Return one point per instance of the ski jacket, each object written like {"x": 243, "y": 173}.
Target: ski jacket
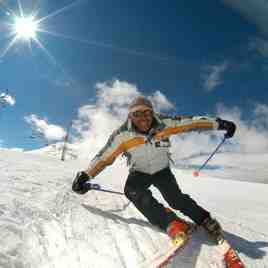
{"x": 147, "y": 153}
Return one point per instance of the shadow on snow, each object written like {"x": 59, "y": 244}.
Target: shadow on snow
{"x": 252, "y": 249}
{"x": 189, "y": 255}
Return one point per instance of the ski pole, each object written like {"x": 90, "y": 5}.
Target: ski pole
{"x": 196, "y": 173}
{"x": 97, "y": 187}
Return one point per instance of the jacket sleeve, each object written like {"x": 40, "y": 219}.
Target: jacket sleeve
{"x": 107, "y": 155}
{"x": 180, "y": 124}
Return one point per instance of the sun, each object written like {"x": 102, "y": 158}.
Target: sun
{"x": 25, "y": 27}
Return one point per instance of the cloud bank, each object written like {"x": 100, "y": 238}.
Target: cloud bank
{"x": 42, "y": 129}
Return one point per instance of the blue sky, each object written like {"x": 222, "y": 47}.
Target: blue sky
{"x": 196, "y": 56}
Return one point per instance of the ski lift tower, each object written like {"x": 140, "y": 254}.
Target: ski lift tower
{"x": 64, "y": 148}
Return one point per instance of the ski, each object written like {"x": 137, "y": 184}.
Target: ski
{"x": 177, "y": 246}
{"x": 230, "y": 256}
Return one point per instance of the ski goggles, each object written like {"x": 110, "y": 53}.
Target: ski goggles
{"x": 145, "y": 113}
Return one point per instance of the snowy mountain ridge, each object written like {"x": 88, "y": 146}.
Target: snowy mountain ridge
{"x": 56, "y": 150}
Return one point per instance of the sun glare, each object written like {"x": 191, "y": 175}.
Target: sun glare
{"x": 25, "y": 27}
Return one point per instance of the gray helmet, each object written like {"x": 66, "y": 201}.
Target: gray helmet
{"x": 138, "y": 103}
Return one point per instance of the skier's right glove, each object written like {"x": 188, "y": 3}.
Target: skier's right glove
{"x": 229, "y": 126}
{"x": 79, "y": 182}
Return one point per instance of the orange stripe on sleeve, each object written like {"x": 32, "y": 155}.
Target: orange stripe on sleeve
{"x": 167, "y": 132}
{"x": 101, "y": 164}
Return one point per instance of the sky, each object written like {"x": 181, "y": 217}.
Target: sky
{"x": 90, "y": 58}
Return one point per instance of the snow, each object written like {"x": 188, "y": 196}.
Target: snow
{"x": 235, "y": 166}
{"x": 44, "y": 224}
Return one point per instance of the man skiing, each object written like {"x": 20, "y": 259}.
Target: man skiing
{"x": 144, "y": 140}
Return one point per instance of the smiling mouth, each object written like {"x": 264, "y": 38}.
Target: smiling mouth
{"x": 145, "y": 124}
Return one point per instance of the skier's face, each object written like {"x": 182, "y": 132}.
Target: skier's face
{"x": 142, "y": 119}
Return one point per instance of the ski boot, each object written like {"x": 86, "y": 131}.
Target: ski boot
{"x": 214, "y": 230}
{"x": 177, "y": 231}
{"x": 232, "y": 260}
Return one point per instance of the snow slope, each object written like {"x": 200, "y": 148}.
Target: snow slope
{"x": 235, "y": 166}
{"x": 43, "y": 224}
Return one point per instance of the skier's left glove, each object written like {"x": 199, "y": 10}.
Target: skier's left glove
{"x": 79, "y": 182}
{"x": 229, "y": 126}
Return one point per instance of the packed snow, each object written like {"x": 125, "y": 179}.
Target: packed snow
{"x": 43, "y": 224}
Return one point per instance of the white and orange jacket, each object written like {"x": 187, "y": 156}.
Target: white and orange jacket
{"x": 147, "y": 153}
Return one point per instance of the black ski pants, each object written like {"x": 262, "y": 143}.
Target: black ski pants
{"x": 136, "y": 190}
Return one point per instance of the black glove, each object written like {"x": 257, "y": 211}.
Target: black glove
{"x": 79, "y": 182}
{"x": 229, "y": 126}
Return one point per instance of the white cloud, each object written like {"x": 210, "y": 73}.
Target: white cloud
{"x": 212, "y": 75}
{"x": 7, "y": 99}
{"x": 115, "y": 96}
{"x": 261, "y": 115}
{"x": 253, "y": 10}
{"x": 251, "y": 135}
{"x": 13, "y": 149}
{"x": 160, "y": 101}
{"x": 16, "y": 149}
{"x": 42, "y": 128}
{"x": 117, "y": 92}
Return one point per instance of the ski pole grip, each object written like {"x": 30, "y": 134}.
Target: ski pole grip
{"x": 95, "y": 186}
{"x": 92, "y": 186}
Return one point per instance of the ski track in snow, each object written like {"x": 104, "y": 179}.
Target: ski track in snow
{"x": 44, "y": 225}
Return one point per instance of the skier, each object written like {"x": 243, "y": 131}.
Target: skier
{"x": 144, "y": 140}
